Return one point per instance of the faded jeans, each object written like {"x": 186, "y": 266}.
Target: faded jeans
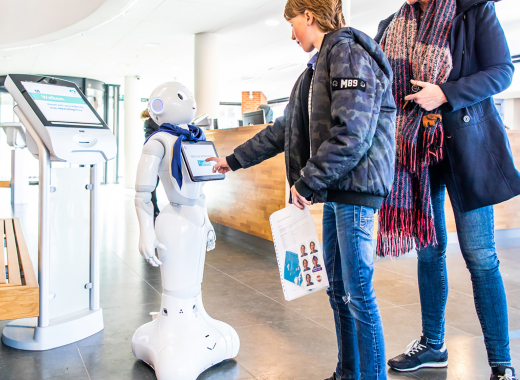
{"x": 475, "y": 230}
{"x": 348, "y": 254}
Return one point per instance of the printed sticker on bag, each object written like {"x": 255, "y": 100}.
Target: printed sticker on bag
{"x": 349, "y": 84}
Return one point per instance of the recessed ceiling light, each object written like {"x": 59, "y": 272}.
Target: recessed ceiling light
{"x": 272, "y": 22}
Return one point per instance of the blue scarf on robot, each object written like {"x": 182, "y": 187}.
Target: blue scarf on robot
{"x": 193, "y": 134}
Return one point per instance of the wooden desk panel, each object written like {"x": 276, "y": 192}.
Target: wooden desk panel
{"x": 247, "y": 198}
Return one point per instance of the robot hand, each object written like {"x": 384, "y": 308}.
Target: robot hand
{"x": 211, "y": 239}
{"x": 147, "y": 250}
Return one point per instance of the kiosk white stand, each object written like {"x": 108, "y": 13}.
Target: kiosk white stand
{"x": 15, "y": 133}
{"x": 61, "y": 126}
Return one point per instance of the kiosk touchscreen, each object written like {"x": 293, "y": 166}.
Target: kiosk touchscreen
{"x": 195, "y": 155}
{"x": 64, "y": 119}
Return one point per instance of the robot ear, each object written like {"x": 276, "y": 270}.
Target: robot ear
{"x": 157, "y": 106}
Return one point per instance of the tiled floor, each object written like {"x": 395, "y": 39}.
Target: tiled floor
{"x": 241, "y": 287}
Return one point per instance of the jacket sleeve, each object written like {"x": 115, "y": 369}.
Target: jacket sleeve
{"x": 354, "y": 111}
{"x": 492, "y": 53}
{"x": 265, "y": 144}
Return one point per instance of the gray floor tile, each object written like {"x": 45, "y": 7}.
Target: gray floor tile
{"x": 247, "y": 309}
{"x": 114, "y": 362}
{"x": 399, "y": 290}
{"x": 130, "y": 294}
{"x": 62, "y": 363}
{"x": 273, "y": 348}
{"x": 120, "y": 325}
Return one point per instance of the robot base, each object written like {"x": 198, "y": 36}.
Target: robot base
{"x": 183, "y": 341}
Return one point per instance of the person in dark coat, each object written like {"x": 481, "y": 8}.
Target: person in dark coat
{"x": 268, "y": 113}
{"x": 478, "y": 172}
{"x": 150, "y": 127}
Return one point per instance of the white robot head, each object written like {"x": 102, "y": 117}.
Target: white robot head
{"x": 173, "y": 103}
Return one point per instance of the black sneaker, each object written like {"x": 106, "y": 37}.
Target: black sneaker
{"x": 419, "y": 354}
{"x": 333, "y": 377}
{"x": 503, "y": 373}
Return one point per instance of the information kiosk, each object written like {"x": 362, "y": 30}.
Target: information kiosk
{"x": 61, "y": 126}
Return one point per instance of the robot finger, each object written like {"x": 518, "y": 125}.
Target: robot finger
{"x": 157, "y": 261}
{"x": 162, "y": 246}
{"x": 152, "y": 262}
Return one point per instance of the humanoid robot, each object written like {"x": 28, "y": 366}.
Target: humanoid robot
{"x": 183, "y": 340}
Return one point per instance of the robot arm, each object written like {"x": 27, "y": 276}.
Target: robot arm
{"x": 147, "y": 171}
{"x": 210, "y": 231}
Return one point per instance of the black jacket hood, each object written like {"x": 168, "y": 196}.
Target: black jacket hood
{"x": 367, "y": 43}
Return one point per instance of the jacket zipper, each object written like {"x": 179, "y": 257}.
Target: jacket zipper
{"x": 310, "y": 110}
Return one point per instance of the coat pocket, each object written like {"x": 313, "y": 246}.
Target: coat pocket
{"x": 463, "y": 118}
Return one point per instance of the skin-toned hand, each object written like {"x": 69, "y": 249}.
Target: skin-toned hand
{"x": 221, "y": 165}
{"x": 298, "y": 200}
{"x": 429, "y": 98}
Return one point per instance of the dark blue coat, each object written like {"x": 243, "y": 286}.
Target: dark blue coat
{"x": 479, "y": 165}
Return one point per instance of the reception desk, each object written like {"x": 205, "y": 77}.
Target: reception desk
{"x": 246, "y": 198}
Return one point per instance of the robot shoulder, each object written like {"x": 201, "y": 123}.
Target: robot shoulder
{"x": 154, "y": 147}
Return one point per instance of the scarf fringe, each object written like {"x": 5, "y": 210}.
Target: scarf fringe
{"x": 402, "y": 229}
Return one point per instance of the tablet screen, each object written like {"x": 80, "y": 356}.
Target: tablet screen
{"x": 61, "y": 103}
{"x": 195, "y": 155}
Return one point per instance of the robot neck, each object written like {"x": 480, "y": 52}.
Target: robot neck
{"x": 184, "y": 126}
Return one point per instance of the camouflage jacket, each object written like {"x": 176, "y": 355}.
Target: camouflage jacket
{"x": 345, "y": 153}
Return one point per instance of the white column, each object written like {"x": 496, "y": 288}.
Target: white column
{"x": 346, "y": 11}
{"x": 207, "y": 73}
{"x": 134, "y": 135}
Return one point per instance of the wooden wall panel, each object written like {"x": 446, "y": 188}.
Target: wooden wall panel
{"x": 247, "y": 198}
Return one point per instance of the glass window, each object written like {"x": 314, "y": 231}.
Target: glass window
{"x": 278, "y": 109}
{"x": 228, "y": 116}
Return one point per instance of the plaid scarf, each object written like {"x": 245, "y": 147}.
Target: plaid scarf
{"x": 417, "y": 49}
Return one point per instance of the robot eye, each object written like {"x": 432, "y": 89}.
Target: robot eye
{"x": 182, "y": 95}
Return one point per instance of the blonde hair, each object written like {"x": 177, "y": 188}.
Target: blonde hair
{"x": 145, "y": 115}
{"x": 328, "y": 13}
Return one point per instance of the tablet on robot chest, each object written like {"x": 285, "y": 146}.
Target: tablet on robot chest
{"x": 195, "y": 155}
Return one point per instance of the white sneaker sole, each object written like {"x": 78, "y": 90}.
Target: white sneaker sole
{"x": 424, "y": 365}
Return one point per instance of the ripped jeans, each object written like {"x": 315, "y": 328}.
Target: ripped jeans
{"x": 348, "y": 253}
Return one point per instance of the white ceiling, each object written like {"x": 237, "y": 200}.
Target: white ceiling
{"x": 154, "y": 40}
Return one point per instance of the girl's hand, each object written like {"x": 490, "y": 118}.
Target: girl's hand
{"x": 429, "y": 98}
{"x": 298, "y": 200}
{"x": 221, "y": 165}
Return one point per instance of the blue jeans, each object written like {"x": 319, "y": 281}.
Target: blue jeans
{"x": 475, "y": 230}
{"x": 348, "y": 254}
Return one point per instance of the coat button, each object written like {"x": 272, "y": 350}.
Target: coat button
{"x": 467, "y": 119}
